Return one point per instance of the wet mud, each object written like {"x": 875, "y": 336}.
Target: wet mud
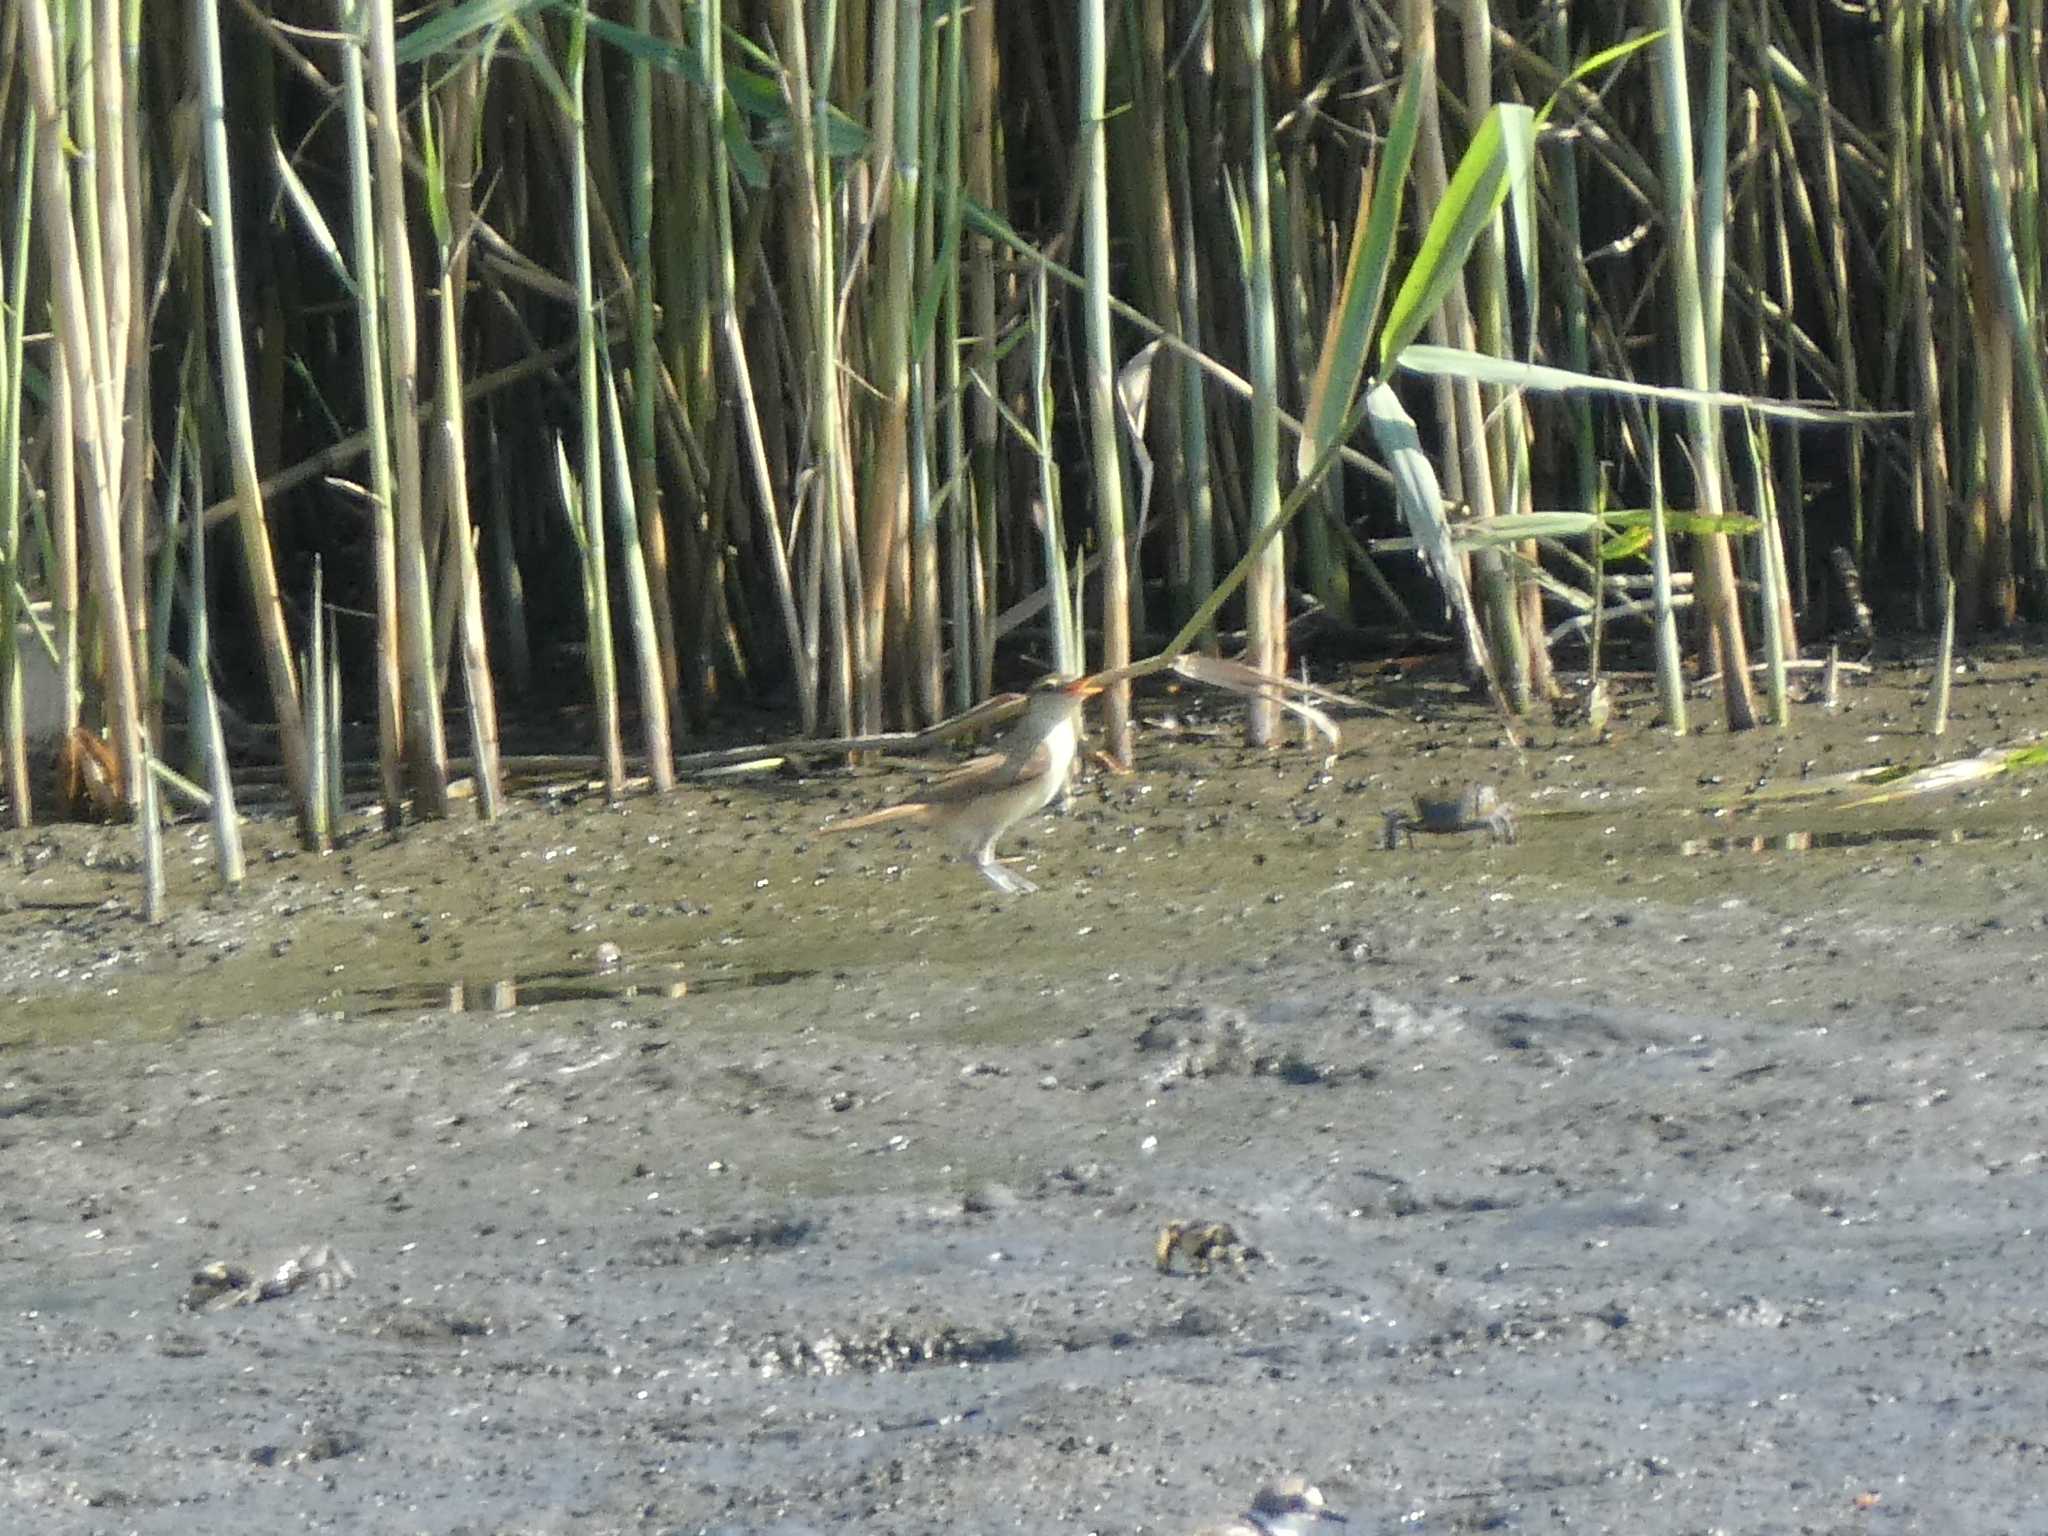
{"x": 1675, "y": 1168}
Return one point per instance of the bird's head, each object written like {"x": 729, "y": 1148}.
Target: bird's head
{"x": 1059, "y": 685}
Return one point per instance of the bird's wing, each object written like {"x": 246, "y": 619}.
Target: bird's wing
{"x": 911, "y": 810}
{"x": 949, "y": 788}
{"x": 969, "y": 779}
{"x": 991, "y": 771}
{"x": 1037, "y": 765}
{"x": 976, "y": 776}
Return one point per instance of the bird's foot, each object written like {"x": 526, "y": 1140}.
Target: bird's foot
{"x": 1006, "y": 880}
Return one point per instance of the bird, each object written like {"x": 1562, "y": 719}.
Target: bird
{"x": 981, "y": 800}
{"x": 1286, "y": 1508}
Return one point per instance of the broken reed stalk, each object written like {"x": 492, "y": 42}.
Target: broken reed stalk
{"x": 1197, "y": 515}
{"x": 588, "y": 507}
{"x": 883, "y": 501}
{"x": 812, "y": 245}
{"x": 1265, "y": 622}
{"x": 508, "y": 586}
{"x": 645, "y": 482}
{"x": 927, "y": 603}
{"x": 151, "y": 828}
{"x": 370, "y": 352}
{"x": 258, "y": 565}
{"x": 203, "y": 708}
{"x": 1099, "y": 368}
{"x": 1715, "y": 571}
{"x": 60, "y": 521}
{"x": 313, "y": 667}
{"x": 135, "y": 347}
{"x": 448, "y": 204}
{"x": 1588, "y": 480}
{"x": 1670, "y": 678}
{"x": 979, "y": 173}
{"x": 1944, "y": 667}
{"x": 597, "y": 624}
{"x": 1063, "y": 622}
{"x": 337, "y": 777}
{"x": 13, "y": 315}
{"x": 640, "y": 615}
{"x": 163, "y": 595}
{"x": 928, "y": 659}
{"x": 113, "y": 212}
{"x": 1770, "y": 570}
{"x": 732, "y": 348}
{"x": 424, "y": 743}
{"x": 968, "y": 594}
{"x": 1518, "y": 610}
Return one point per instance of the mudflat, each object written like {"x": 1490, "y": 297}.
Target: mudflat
{"x": 1677, "y": 1168}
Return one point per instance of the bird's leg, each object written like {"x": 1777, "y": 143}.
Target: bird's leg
{"x": 1008, "y": 881}
{"x": 1399, "y": 825}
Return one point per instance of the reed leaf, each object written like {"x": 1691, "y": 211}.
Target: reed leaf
{"x": 1477, "y": 190}
{"x": 1348, "y": 339}
{"x": 1453, "y": 362}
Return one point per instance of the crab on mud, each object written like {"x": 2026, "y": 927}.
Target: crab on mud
{"x": 1477, "y": 808}
{"x": 1203, "y": 1245}
{"x": 228, "y": 1284}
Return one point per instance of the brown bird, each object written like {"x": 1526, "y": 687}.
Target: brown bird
{"x": 981, "y": 800}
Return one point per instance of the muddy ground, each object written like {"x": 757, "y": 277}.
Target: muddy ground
{"x": 1678, "y": 1168}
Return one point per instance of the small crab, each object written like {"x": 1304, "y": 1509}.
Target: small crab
{"x": 1477, "y": 808}
{"x": 225, "y": 1284}
{"x": 1203, "y": 1244}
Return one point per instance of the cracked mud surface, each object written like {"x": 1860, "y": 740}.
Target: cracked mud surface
{"x": 1621, "y": 1180}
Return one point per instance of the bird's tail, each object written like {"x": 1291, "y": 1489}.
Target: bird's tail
{"x": 914, "y": 811}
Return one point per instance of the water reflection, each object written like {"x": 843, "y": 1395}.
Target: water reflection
{"x": 501, "y": 994}
{"x": 1812, "y": 841}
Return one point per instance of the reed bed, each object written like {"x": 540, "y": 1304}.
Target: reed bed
{"x": 854, "y": 356}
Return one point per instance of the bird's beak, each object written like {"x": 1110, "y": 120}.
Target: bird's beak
{"x": 1083, "y": 688}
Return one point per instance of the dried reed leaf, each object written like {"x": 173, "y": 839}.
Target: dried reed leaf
{"x": 1290, "y": 695}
